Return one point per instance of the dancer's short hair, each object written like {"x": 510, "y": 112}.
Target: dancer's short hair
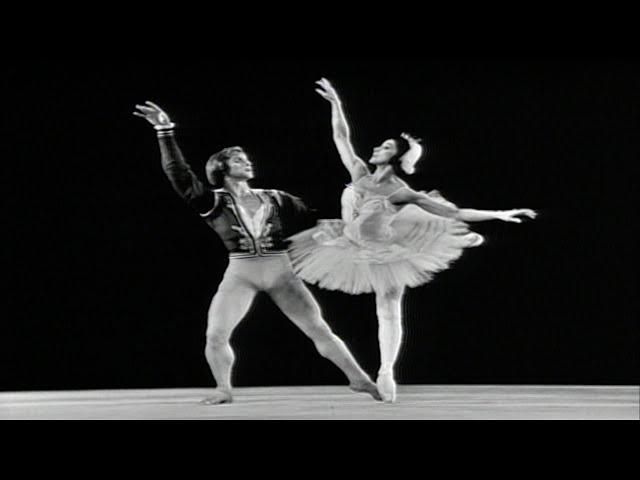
{"x": 218, "y": 166}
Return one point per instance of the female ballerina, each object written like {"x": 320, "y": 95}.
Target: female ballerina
{"x": 390, "y": 237}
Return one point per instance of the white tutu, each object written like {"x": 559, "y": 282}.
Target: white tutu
{"x": 376, "y": 248}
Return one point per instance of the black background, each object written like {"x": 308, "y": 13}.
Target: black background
{"x": 110, "y": 275}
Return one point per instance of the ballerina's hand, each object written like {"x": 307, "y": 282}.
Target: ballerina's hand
{"x": 327, "y": 91}
{"x": 153, "y": 114}
{"x": 411, "y": 140}
{"x": 513, "y": 215}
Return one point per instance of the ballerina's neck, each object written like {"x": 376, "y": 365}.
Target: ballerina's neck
{"x": 383, "y": 174}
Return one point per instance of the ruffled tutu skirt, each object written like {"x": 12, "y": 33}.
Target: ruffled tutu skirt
{"x": 335, "y": 255}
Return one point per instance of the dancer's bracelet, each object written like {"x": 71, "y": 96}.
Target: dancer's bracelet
{"x": 166, "y": 131}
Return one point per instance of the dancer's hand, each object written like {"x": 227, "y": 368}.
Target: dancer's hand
{"x": 153, "y": 114}
{"x": 327, "y": 91}
{"x": 513, "y": 215}
{"x": 411, "y": 140}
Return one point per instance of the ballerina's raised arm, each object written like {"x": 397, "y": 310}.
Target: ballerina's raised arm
{"x": 342, "y": 132}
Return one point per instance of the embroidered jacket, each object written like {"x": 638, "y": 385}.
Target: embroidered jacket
{"x": 284, "y": 216}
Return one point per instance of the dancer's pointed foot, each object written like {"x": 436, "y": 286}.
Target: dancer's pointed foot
{"x": 475, "y": 240}
{"x": 219, "y": 397}
{"x": 387, "y": 387}
{"x": 366, "y": 386}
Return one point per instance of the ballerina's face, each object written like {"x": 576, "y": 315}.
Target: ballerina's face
{"x": 383, "y": 154}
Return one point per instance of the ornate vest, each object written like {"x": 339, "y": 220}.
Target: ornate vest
{"x": 226, "y": 220}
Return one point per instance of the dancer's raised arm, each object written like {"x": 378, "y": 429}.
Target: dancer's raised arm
{"x": 341, "y": 131}
{"x": 431, "y": 205}
{"x": 180, "y": 174}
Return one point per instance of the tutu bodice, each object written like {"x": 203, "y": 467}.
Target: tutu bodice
{"x": 378, "y": 246}
{"x": 367, "y": 215}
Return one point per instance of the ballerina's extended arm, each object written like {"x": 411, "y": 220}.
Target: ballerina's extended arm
{"x": 341, "y": 132}
{"x": 424, "y": 201}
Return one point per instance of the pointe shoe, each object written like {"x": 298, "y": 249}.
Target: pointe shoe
{"x": 387, "y": 387}
{"x": 475, "y": 240}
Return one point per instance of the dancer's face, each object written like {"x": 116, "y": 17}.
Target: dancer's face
{"x": 240, "y": 167}
{"x": 383, "y": 154}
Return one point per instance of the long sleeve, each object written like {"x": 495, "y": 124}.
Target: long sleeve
{"x": 297, "y": 215}
{"x": 182, "y": 178}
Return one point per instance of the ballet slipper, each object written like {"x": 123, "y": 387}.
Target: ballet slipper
{"x": 367, "y": 387}
{"x": 219, "y": 397}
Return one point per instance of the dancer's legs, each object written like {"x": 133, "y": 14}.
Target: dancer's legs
{"x": 297, "y": 303}
{"x": 389, "y": 310}
{"x": 230, "y": 305}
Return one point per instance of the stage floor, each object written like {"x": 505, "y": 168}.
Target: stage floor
{"x": 333, "y": 403}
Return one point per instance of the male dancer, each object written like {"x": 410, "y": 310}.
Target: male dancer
{"x": 253, "y": 226}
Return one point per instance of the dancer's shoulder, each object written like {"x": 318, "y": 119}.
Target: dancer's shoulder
{"x": 270, "y": 191}
{"x": 280, "y": 193}
{"x": 277, "y": 196}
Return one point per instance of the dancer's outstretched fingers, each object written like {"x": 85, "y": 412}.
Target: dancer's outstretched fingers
{"x": 521, "y": 213}
{"x": 154, "y": 105}
{"x": 327, "y": 85}
{"x": 142, "y": 108}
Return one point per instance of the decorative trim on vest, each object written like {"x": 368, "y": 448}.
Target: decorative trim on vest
{"x": 252, "y": 247}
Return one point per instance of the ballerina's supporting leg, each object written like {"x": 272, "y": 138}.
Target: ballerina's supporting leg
{"x": 389, "y": 310}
